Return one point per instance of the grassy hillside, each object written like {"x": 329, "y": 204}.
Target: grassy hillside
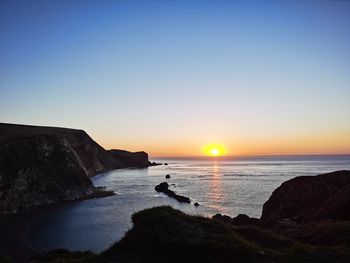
{"x": 163, "y": 234}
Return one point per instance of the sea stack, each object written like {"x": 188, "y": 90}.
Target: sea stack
{"x": 164, "y": 188}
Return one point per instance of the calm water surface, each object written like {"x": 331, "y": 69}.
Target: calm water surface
{"x": 229, "y": 186}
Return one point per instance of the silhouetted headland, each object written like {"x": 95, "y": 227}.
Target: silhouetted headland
{"x": 45, "y": 165}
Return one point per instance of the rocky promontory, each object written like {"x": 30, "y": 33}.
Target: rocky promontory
{"x": 303, "y": 199}
{"x": 310, "y": 199}
{"x": 44, "y": 165}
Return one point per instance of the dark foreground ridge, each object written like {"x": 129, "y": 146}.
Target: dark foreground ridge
{"x": 163, "y": 234}
{"x": 310, "y": 198}
{"x": 164, "y": 188}
{"x": 45, "y": 165}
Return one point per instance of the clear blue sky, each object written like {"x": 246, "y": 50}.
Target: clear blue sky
{"x": 171, "y": 76}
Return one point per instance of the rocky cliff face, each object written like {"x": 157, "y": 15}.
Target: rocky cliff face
{"x": 310, "y": 198}
{"x": 129, "y": 159}
{"x": 43, "y": 165}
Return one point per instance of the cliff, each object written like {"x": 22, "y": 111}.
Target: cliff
{"x": 44, "y": 165}
{"x": 310, "y": 198}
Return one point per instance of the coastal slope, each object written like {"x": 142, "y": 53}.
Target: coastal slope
{"x": 44, "y": 165}
{"x": 310, "y": 198}
{"x": 163, "y": 234}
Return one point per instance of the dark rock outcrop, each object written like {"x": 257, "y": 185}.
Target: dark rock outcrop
{"x": 164, "y": 188}
{"x": 223, "y": 218}
{"x": 240, "y": 220}
{"x": 310, "y": 199}
{"x": 44, "y": 165}
{"x": 153, "y": 164}
{"x": 167, "y": 176}
{"x": 130, "y": 159}
{"x": 39, "y": 170}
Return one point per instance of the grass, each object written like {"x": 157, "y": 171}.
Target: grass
{"x": 163, "y": 234}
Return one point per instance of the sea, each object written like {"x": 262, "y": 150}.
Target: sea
{"x": 226, "y": 185}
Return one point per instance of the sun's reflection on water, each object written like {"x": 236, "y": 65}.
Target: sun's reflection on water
{"x": 216, "y": 194}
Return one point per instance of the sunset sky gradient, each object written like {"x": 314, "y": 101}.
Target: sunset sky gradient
{"x": 169, "y": 77}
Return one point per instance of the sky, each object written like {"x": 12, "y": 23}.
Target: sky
{"x": 170, "y": 77}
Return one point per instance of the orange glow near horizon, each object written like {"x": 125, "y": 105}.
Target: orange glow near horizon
{"x": 214, "y": 150}
{"x": 235, "y": 145}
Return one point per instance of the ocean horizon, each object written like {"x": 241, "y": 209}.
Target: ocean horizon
{"x": 254, "y": 156}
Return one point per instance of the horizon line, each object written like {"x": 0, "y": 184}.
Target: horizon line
{"x": 253, "y": 155}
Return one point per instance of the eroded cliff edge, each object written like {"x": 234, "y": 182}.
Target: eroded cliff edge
{"x": 44, "y": 165}
{"x": 310, "y": 199}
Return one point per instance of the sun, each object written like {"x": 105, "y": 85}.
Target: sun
{"x": 214, "y": 149}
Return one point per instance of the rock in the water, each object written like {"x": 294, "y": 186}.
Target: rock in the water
{"x": 167, "y": 176}
{"x": 101, "y": 193}
{"x": 310, "y": 198}
{"x": 196, "y": 204}
{"x": 164, "y": 188}
{"x": 153, "y": 164}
